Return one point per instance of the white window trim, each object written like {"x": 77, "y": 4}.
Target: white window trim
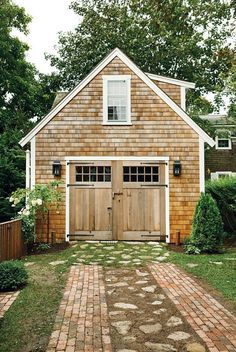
{"x": 201, "y": 165}
{"x": 183, "y": 98}
{"x": 215, "y": 175}
{"x": 223, "y": 148}
{"x": 32, "y": 164}
{"x": 106, "y": 79}
{"x": 27, "y": 168}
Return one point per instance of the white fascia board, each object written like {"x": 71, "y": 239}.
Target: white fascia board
{"x": 124, "y": 158}
{"x": 68, "y": 98}
{"x": 166, "y": 99}
{"x": 174, "y": 81}
{"x": 117, "y": 53}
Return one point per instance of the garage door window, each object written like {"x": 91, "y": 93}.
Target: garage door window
{"x": 141, "y": 174}
{"x": 93, "y": 173}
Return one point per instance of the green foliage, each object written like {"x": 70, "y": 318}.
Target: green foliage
{"x": 171, "y": 38}
{"x": 207, "y": 228}
{"x": 24, "y": 94}
{"x": 43, "y": 247}
{"x": 206, "y": 125}
{"x": 12, "y": 275}
{"x": 34, "y": 202}
{"x": 224, "y": 193}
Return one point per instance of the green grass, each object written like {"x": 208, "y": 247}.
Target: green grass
{"x": 221, "y": 277}
{"x": 27, "y": 325}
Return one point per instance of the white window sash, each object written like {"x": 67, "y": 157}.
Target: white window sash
{"x": 106, "y": 79}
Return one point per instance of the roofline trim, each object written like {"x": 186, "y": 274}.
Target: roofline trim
{"x": 118, "y": 53}
{"x": 170, "y": 80}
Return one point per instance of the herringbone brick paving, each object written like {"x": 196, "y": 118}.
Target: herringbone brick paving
{"x": 211, "y": 321}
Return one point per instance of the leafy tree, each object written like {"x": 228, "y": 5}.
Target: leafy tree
{"x": 183, "y": 39}
{"x": 24, "y": 93}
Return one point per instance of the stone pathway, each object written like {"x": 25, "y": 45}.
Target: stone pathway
{"x": 82, "y": 320}
{"x": 137, "y": 310}
{"x": 211, "y": 321}
{"x": 143, "y": 318}
{"x": 6, "y": 300}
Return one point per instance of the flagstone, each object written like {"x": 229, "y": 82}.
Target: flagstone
{"x": 174, "y": 321}
{"x": 58, "y": 262}
{"x": 160, "y": 347}
{"x": 149, "y": 289}
{"x": 125, "y": 305}
{"x": 195, "y": 347}
{"x": 122, "y": 327}
{"x": 151, "y": 328}
{"x": 160, "y": 311}
{"x": 179, "y": 335}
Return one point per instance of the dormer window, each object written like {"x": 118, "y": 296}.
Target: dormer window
{"x": 116, "y": 100}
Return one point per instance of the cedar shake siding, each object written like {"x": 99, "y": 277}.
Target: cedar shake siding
{"x": 156, "y": 130}
{"x": 220, "y": 160}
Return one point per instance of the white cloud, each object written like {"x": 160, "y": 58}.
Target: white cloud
{"x": 48, "y": 18}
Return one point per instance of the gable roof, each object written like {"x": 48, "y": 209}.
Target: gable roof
{"x": 118, "y": 53}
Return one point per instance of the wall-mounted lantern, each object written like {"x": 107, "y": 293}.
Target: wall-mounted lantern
{"x": 177, "y": 168}
{"x": 56, "y": 168}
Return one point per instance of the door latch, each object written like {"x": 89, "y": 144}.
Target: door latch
{"x": 116, "y": 194}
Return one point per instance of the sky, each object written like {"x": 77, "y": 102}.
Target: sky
{"x": 48, "y": 18}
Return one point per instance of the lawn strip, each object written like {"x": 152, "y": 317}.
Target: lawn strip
{"x": 218, "y": 270}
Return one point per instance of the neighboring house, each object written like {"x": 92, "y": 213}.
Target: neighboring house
{"x": 220, "y": 160}
{"x": 131, "y": 160}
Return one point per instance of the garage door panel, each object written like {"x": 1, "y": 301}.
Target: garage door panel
{"x": 152, "y": 209}
{"x": 102, "y": 206}
{"x": 141, "y": 209}
{"x": 117, "y": 200}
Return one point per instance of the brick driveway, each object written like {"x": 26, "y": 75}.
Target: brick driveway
{"x": 82, "y": 322}
{"x": 6, "y": 300}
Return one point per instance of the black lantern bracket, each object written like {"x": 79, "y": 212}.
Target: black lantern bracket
{"x": 177, "y": 168}
{"x": 56, "y": 168}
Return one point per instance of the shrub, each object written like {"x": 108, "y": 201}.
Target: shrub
{"x": 43, "y": 247}
{"x": 207, "y": 229}
{"x": 224, "y": 193}
{"x": 35, "y": 202}
{"x": 12, "y": 275}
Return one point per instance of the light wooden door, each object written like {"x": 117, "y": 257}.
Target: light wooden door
{"x": 90, "y": 201}
{"x": 119, "y": 200}
{"x": 143, "y": 200}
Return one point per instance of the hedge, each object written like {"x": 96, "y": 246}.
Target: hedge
{"x": 224, "y": 193}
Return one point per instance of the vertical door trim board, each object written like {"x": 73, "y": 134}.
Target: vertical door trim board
{"x": 110, "y": 158}
{"x": 201, "y": 165}
{"x": 32, "y": 162}
{"x": 67, "y": 201}
{"x": 167, "y": 202}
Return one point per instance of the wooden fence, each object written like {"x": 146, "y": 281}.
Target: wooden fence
{"x": 11, "y": 240}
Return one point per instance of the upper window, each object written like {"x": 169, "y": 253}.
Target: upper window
{"x": 116, "y": 100}
{"x": 223, "y": 143}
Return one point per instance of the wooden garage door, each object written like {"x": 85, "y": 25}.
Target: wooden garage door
{"x": 90, "y": 200}
{"x": 121, "y": 200}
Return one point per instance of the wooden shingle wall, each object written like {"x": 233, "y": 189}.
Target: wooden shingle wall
{"x": 156, "y": 130}
{"x": 170, "y": 89}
